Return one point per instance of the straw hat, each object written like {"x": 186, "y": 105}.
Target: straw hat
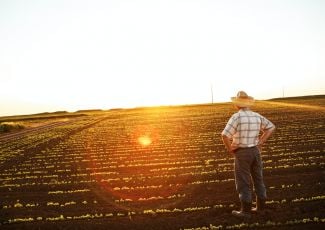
{"x": 242, "y": 99}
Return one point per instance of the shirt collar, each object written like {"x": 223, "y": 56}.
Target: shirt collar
{"x": 244, "y": 109}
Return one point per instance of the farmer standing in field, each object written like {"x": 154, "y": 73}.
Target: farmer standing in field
{"x": 241, "y": 137}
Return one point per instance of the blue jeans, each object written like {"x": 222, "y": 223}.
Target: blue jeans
{"x": 249, "y": 167}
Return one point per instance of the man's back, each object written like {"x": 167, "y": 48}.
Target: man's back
{"x": 245, "y": 126}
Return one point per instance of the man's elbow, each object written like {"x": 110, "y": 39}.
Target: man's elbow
{"x": 224, "y": 137}
{"x": 271, "y": 130}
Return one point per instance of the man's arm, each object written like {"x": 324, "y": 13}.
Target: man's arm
{"x": 228, "y": 132}
{"x": 227, "y": 142}
{"x": 266, "y": 134}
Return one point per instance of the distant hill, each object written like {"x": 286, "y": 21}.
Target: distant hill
{"x": 318, "y": 99}
{"x": 89, "y": 110}
{"x": 45, "y": 115}
{"x": 309, "y": 97}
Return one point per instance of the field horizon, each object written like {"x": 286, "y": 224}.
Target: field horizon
{"x": 62, "y": 113}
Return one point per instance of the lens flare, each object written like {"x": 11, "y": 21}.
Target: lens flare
{"x": 144, "y": 140}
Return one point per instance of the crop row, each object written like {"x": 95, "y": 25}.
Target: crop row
{"x": 18, "y": 147}
{"x": 150, "y": 212}
{"x": 266, "y": 224}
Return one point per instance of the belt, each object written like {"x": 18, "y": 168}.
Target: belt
{"x": 245, "y": 148}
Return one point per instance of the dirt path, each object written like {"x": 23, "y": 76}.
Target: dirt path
{"x": 13, "y": 135}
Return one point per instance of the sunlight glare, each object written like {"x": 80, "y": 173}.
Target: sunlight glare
{"x": 144, "y": 140}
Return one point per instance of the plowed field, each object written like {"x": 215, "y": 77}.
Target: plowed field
{"x": 161, "y": 168}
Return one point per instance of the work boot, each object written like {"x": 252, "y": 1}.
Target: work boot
{"x": 260, "y": 206}
{"x": 245, "y": 210}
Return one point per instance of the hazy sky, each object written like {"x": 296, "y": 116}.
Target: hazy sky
{"x": 70, "y": 55}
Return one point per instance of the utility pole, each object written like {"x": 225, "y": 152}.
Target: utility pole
{"x": 283, "y": 91}
{"x": 211, "y": 86}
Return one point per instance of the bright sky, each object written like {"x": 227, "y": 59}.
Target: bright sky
{"x": 78, "y": 54}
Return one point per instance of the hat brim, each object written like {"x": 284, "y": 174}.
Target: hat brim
{"x": 243, "y": 102}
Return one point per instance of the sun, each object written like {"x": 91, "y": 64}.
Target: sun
{"x": 144, "y": 140}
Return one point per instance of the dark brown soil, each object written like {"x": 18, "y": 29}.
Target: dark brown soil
{"x": 93, "y": 173}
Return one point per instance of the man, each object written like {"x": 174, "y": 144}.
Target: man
{"x": 242, "y": 138}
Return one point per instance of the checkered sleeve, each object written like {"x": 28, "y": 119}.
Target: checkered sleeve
{"x": 266, "y": 124}
{"x": 231, "y": 126}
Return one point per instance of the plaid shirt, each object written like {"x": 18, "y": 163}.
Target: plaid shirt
{"x": 244, "y": 128}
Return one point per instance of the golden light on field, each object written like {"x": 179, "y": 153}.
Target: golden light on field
{"x": 144, "y": 140}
